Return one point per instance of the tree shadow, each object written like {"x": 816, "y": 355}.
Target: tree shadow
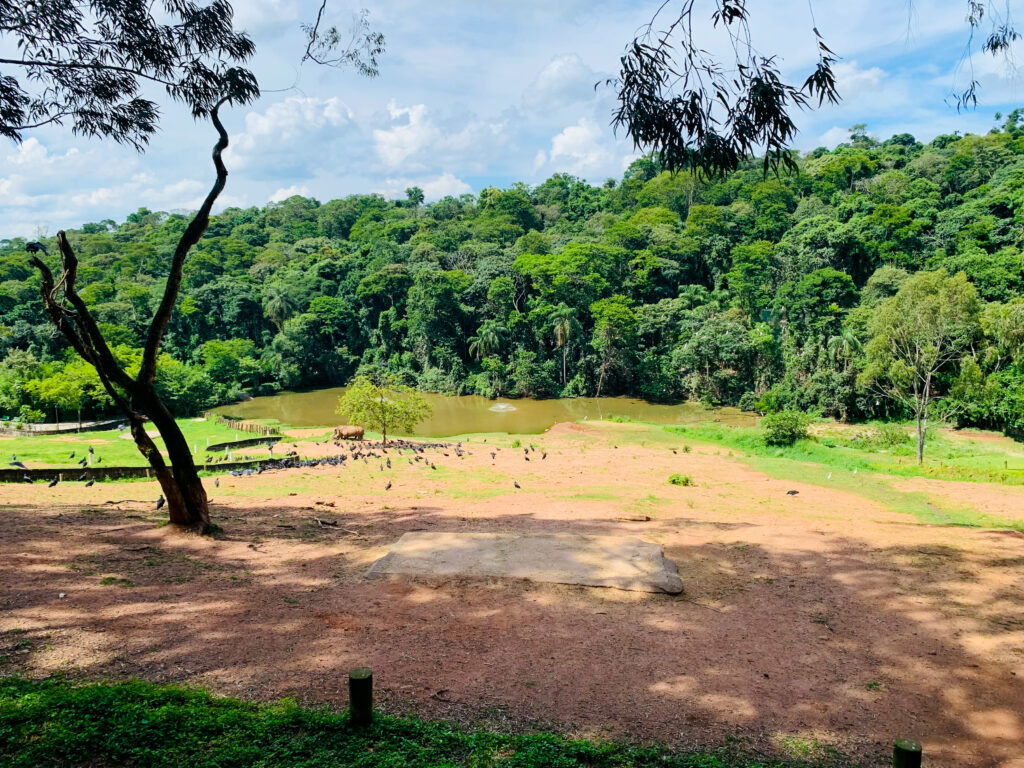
{"x": 782, "y": 649}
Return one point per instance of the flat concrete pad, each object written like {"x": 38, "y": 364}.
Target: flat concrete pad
{"x": 593, "y": 561}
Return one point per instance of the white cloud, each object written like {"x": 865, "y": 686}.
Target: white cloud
{"x": 433, "y": 188}
{"x": 444, "y": 185}
{"x": 565, "y": 80}
{"x": 580, "y": 149}
{"x": 394, "y": 145}
{"x": 285, "y": 192}
{"x": 852, "y": 81}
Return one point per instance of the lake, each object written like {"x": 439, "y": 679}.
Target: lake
{"x": 456, "y": 415}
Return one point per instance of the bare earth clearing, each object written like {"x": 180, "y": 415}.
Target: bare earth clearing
{"x": 821, "y": 616}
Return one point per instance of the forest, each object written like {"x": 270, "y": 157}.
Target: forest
{"x": 754, "y": 290}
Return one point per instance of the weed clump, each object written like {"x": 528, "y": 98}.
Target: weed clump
{"x": 677, "y": 479}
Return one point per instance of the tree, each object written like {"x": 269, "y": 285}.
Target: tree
{"x": 563, "y": 323}
{"x": 921, "y": 332}
{"x": 487, "y": 340}
{"x": 86, "y": 61}
{"x": 693, "y": 110}
{"x": 381, "y": 402}
{"x": 614, "y": 335}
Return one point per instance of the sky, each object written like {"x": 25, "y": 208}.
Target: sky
{"x": 474, "y": 94}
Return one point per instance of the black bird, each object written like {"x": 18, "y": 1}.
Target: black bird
{"x": 516, "y": 484}
{"x": 82, "y": 477}
{"x": 91, "y": 449}
{"x": 27, "y": 479}
{"x": 675, "y": 451}
{"x": 18, "y": 464}
{"x": 84, "y": 461}
{"x": 526, "y": 457}
{"x": 544, "y": 455}
{"x": 216, "y": 482}
{"x": 388, "y": 486}
{"x": 14, "y": 457}
{"x": 53, "y": 482}
{"x": 161, "y": 501}
{"x": 89, "y": 484}
{"x": 388, "y": 462}
{"x": 792, "y": 493}
{"x": 72, "y": 455}
{"x": 35, "y": 247}
{"x": 493, "y": 454}
{"x": 99, "y": 459}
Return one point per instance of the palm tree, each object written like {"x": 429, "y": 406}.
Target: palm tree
{"x": 487, "y": 340}
{"x": 843, "y": 346}
{"x": 563, "y": 321}
{"x": 278, "y": 304}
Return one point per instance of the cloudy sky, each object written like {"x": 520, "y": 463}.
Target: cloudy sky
{"x": 476, "y": 93}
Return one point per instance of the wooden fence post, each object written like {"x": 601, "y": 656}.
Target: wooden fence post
{"x": 906, "y": 753}
{"x": 360, "y": 696}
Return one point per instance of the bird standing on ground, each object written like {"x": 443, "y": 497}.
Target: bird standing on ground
{"x": 516, "y": 484}
{"x": 216, "y": 482}
{"x": 388, "y": 486}
{"x": 53, "y": 482}
{"x": 90, "y": 484}
{"x": 792, "y": 493}
{"x": 161, "y": 501}
{"x": 72, "y": 455}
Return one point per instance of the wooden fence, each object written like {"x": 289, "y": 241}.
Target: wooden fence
{"x": 240, "y": 425}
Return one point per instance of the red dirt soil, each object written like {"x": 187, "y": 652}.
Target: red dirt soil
{"x": 821, "y": 615}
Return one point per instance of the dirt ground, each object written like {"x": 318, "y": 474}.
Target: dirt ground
{"x": 810, "y": 621}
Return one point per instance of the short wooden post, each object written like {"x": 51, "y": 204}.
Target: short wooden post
{"x": 906, "y": 753}
{"x": 360, "y": 696}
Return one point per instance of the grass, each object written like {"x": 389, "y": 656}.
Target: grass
{"x": 53, "y": 722}
{"x": 863, "y": 473}
{"x": 47, "y": 451}
{"x": 945, "y": 459}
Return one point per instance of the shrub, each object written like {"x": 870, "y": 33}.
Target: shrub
{"x": 677, "y": 479}
{"x": 516, "y": 443}
{"x": 748, "y": 402}
{"x": 784, "y": 427}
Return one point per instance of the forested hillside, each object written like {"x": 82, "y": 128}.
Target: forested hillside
{"x": 753, "y": 291}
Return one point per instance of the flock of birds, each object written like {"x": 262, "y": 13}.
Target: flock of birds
{"x": 366, "y": 452}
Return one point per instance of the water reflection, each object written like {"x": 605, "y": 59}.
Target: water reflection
{"x": 471, "y": 413}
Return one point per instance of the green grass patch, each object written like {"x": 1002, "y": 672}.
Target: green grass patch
{"x": 53, "y": 722}
{"x": 677, "y": 479}
{"x": 850, "y": 470}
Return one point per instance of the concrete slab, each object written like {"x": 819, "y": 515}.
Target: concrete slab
{"x": 594, "y": 561}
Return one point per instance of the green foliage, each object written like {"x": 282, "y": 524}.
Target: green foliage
{"x": 677, "y": 479}
{"x": 784, "y": 427}
{"x": 381, "y": 403}
{"x": 764, "y": 293}
{"x": 56, "y": 723}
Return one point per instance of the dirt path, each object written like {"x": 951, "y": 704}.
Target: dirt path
{"x": 810, "y": 620}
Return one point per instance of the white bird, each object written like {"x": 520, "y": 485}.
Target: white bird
{"x": 829, "y": 476}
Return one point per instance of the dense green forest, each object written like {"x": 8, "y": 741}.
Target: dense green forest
{"x": 750, "y": 290}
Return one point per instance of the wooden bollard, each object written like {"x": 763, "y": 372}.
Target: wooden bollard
{"x": 906, "y": 753}
{"x": 360, "y": 696}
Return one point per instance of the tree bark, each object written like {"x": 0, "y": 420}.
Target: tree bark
{"x": 136, "y": 398}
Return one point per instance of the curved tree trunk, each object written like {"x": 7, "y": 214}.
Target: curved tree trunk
{"x": 136, "y": 396}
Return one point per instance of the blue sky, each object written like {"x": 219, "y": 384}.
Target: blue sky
{"x": 478, "y": 93}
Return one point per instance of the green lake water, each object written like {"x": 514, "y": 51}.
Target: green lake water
{"x": 470, "y": 413}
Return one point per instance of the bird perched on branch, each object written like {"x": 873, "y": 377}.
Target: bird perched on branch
{"x": 35, "y": 247}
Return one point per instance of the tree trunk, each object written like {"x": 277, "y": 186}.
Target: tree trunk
{"x": 922, "y": 428}
{"x": 187, "y": 505}
{"x": 565, "y": 350}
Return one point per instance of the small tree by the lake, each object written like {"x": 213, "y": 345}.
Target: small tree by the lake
{"x": 381, "y": 403}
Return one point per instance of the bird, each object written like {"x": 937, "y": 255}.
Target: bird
{"x": 53, "y": 482}
{"x": 82, "y": 477}
{"x": 83, "y": 462}
{"x": 99, "y": 459}
{"x": 161, "y": 501}
{"x": 72, "y": 455}
{"x": 90, "y": 483}
{"x": 14, "y": 457}
{"x": 792, "y": 493}
{"x": 18, "y": 464}
{"x": 829, "y": 476}
{"x": 516, "y": 484}
{"x": 493, "y": 454}
{"x": 91, "y": 449}
{"x": 388, "y": 486}
{"x": 216, "y": 482}
{"x": 27, "y": 479}
{"x": 35, "y": 247}
{"x": 675, "y": 451}
{"x": 544, "y": 455}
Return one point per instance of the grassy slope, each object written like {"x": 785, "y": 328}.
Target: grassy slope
{"x": 868, "y": 473}
{"x": 52, "y": 723}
